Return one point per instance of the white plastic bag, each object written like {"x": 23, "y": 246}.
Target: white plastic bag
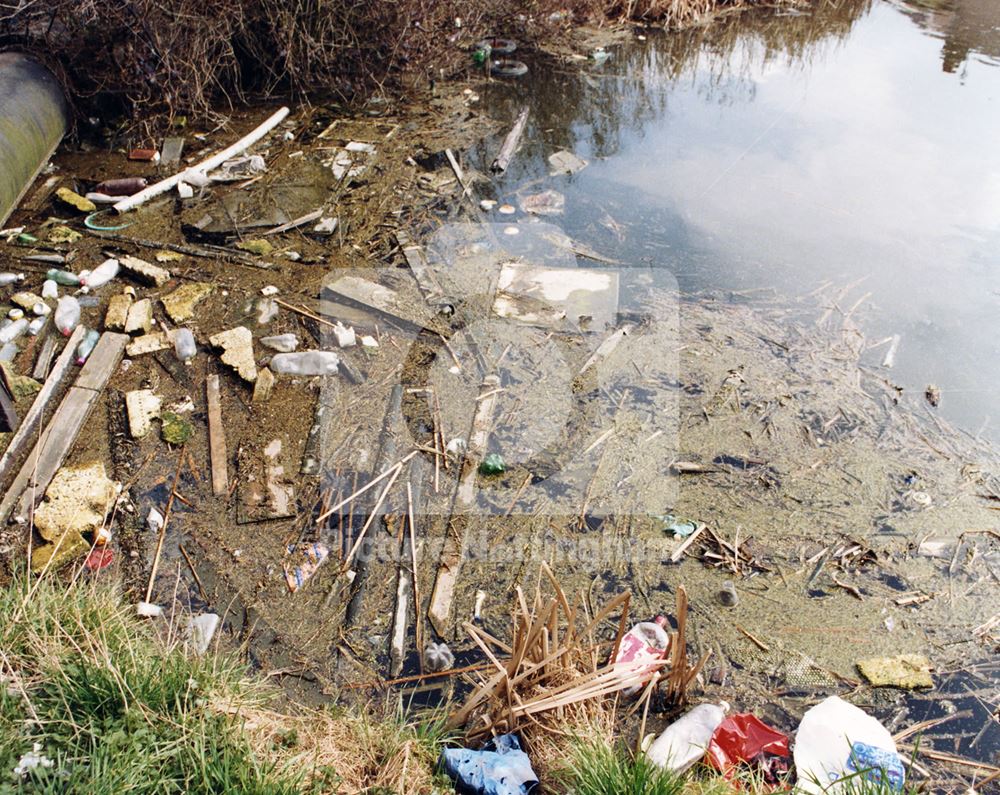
{"x": 835, "y": 740}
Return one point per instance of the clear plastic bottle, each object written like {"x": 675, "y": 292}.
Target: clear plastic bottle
{"x": 184, "y": 345}
{"x": 87, "y": 345}
{"x": 67, "y": 315}
{"x": 100, "y": 275}
{"x": 63, "y": 277}
{"x": 641, "y": 647}
{"x": 41, "y": 308}
{"x": 35, "y": 326}
{"x": 13, "y": 331}
{"x": 50, "y": 289}
{"x": 685, "y": 740}
{"x": 11, "y": 278}
{"x": 306, "y": 363}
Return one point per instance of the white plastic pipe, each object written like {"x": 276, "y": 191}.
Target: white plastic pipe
{"x": 215, "y": 161}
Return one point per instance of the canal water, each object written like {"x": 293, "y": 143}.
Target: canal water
{"x": 778, "y": 153}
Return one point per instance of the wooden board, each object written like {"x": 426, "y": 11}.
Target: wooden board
{"x": 31, "y": 421}
{"x": 59, "y": 436}
{"x": 41, "y": 371}
{"x": 216, "y": 438}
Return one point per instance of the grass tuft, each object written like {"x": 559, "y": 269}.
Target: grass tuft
{"x": 596, "y": 768}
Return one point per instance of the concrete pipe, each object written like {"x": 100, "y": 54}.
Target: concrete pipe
{"x": 33, "y": 120}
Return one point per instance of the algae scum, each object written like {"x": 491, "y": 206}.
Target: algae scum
{"x": 700, "y": 358}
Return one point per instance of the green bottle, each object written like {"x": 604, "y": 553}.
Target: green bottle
{"x": 493, "y": 464}
{"x": 63, "y": 277}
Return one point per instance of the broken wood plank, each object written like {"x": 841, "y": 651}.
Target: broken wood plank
{"x": 41, "y": 371}
{"x": 421, "y": 269}
{"x": 8, "y": 412}
{"x": 378, "y": 298}
{"x": 33, "y": 418}
{"x": 510, "y": 143}
{"x": 59, "y": 436}
{"x": 216, "y": 438}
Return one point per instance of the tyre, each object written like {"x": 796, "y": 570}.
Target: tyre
{"x": 505, "y": 68}
{"x": 498, "y": 46}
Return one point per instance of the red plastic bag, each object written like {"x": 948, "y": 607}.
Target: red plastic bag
{"x": 745, "y": 739}
{"x": 99, "y": 559}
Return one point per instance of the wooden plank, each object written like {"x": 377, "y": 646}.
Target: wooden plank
{"x": 510, "y": 143}
{"x": 33, "y": 418}
{"x": 378, "y": 298}
{"x": 41, "y": 371}
{"x": 8, "y": 412}
{"x": 453, "y": 552}
{"x": 421, "y": 268}
{"x": 61, "y": 433}
{"x": 216, "y": 438}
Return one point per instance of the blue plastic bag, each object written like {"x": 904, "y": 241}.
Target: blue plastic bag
{"x": 500, "y": 768}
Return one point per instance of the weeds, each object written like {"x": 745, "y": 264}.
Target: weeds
{"x": 596, "y": 768}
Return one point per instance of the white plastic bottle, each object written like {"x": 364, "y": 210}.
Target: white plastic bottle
{"x": 685, "y": 741}
{"x": 35, "y": 326}
{"x": 306, "y": 363}
{"x": 641, "y": 647}
{"x": 67, "y": 315}
{"x": 11, "y": 278}
{"x": 286, "y": 343}
{"x": 100, "y": 275}
{"x": 13, "y": 331}
{"x": 50, "y": 289}
{"x": 184, "y": 345}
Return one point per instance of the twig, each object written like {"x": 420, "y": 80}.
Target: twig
{"x": 163, "y": 527}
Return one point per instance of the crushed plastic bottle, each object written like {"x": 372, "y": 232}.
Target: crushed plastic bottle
{"x": 184, "y": 345}
{"x": 13, "y": 331}
{"x": 87, "y": 345}
{"x": 641, "y": 647}
{"x": 67, "y": 315}
{"x": 684, "y": 742}
{"x": 64, "y": 278}
{"x": 306, "y": 363}
{"x": 11, "y": 278}
{"x": 285, "y": 343}
{"x": 100, "y": 275}
{"x": 50, "y": 289}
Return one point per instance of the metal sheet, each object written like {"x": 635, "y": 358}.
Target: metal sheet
{"x": 33, "y": 120}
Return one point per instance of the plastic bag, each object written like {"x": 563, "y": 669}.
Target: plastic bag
{"x": 500, "y": 768}
{"x": 745, "y": 739}
{"x": 836, "y": 740}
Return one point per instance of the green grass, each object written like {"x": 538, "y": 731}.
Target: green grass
{"x": 113, "y": 707}
{"x": 596, "y": 768}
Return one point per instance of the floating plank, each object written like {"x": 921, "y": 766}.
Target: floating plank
{"x": 510, "y": 143}
{"x": 378, "y": 298}
{"x": 33, "y": 418}
{"x": 59, "y": 436}
{"x": 216, "y": 438}
{"x": 422, "y": 271}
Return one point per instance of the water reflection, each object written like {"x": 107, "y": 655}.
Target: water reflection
{"x": 783, "y": 150}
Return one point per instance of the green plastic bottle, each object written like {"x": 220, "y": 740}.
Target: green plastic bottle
{"x": 493, "y": 464}
{"x": 63, "y": 277}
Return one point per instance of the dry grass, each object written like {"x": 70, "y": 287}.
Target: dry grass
{"x": 146, "y": 57}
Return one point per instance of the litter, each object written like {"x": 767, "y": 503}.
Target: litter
{"x": 685, "y": 741}
{"x": 837, "y": 740}
{"x": 438, "y": 657}
{"x": 499, "y": 768}
{"x": 564, "y": 162}
{"x": 32, "y": 760}
{"x": 641, "y": 649}
{"x": 201, "y": 629}
{"x": 908, "y": 671}
{"x": 308, "y": 363}
{"x": 745, "y": 739}
{"x": 311, "y": 557}
{"x": 549, "y": 202}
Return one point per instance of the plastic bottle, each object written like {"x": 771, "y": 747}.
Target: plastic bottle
{"x": 40, "y": 308}
{"x": 63, "y": 277}
{"x": 16, "y": 313}
{"x": 35, "y": 326}
{"x": 685, "y": 741}
{"x": 67, "y": 315}
{"x": 13, "y": 331}
{"x": 100, "y": 275}
{"x": 8, "y": 352}
{"x": 50, "y": 289}
{"x": 306, "y": 363}
{"x": 285, "y": 343}
{"x": 87, "y": 345}
{"x": 184, "y": 345}
{"x": 839, "y": 740}
{"x": 10, "y": 278}
{"x": 126, "y": 186}
{"x": 642, "y": 646}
